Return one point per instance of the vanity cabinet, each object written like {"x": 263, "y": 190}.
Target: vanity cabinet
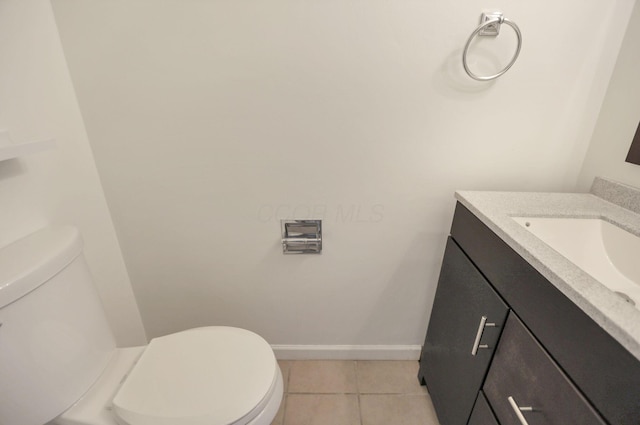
{"x": 550, "y": 356}
{"x": 465, "y": 324}
{"x": 482, "y": 413}
{"x": 463, "y": 331}
{"x": 523, "y": 376}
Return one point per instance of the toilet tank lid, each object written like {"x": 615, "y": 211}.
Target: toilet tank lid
{"x": 32, "y": 260}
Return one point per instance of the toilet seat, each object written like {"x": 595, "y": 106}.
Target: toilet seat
{"x": 205, "y": 376}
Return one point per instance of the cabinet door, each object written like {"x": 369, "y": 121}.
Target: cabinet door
{"x": 523, "y": 376}
{"x": 467, "y": 314}
{"x": 482, "y": 414}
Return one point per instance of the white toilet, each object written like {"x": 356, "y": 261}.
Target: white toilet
{"x": 59, "y": 363}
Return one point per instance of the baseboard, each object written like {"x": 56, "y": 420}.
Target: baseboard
{"x": 347, "y": 352}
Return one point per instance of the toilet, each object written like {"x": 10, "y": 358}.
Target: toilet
{"x": 59, "y": 363}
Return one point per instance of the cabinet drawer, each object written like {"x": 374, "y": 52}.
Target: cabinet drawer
{"x": 482, "y": 414}
{"x": 522, "y": 370}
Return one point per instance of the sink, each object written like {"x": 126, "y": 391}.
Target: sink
{"x": 603, "y": 250}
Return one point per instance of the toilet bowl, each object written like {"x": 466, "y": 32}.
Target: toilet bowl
{"x": 59, "y": 362}
{"x": 204, "y": 376}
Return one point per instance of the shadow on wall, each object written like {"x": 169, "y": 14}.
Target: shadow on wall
{"x": 454, "y": 83}
{"x": 401, "y": 288}
{"x": 634, "y": 151}
{"x": 11, "y": 168}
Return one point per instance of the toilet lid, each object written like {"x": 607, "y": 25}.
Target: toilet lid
{"x": 204, "y": 376}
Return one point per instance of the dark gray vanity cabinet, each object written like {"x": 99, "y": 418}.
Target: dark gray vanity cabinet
{"x": 551, "y": 356}
{"x": 465, "y": 324}
{"x": 482, "y": 413}
{"x": 523, "y": 376}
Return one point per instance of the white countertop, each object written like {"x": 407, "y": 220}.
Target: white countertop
{"x": 495, "y": 209}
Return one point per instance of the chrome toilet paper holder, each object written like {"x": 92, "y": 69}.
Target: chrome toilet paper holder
{"x": 301, "y": 236}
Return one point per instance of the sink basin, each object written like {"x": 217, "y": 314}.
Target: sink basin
{"x": 603, "y": 250}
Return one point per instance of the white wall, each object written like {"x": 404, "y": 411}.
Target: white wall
{"x": 37, "y": 101}
{"x": 619, "y": 117}
{"x": 211, "y": 120}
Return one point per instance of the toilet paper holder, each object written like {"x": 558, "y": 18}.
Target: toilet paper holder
{"x": 301, "y": 236}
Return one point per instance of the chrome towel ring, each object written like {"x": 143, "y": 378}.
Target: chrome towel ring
{"x": 491, "y": 26}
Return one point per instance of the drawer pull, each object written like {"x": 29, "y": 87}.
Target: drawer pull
{"x": 476, "y": 343}
{"x": 518, "y": 410}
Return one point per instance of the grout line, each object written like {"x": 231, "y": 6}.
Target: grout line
{"x": 358, "y": 396}
{"x": 289, "y": 375}
{"x": 359, "y": 410}
{"x": 317, "y": 393}
{"x": 285, "y": 397}
{"x": 354, "y": 393}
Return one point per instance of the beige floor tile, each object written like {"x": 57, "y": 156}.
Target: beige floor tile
{"x": 285, "y": 366}
{"x": 389, "y": 377}
{"x": 397, "y": 409}
{"x": 322, "y": 409}
{"x": 333, "y": 376}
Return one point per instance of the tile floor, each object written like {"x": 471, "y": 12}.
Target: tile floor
{"x": 341, "y": 392}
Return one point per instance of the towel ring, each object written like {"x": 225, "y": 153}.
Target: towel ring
{"x": 498, "y": 20}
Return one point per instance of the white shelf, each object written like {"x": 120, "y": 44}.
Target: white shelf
{"x": 9, "y": 150}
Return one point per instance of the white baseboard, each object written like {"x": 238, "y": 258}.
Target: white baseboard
{"x": 347, "y": 352}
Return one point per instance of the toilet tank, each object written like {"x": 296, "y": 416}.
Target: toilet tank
{"x": 54, "y": 336}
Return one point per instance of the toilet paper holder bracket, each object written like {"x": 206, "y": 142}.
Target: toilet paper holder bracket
{"x": 301, "y": 236}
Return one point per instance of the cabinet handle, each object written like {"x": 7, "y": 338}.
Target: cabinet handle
{"x": 476, "y": 343}
{"x": 518, "y": 410}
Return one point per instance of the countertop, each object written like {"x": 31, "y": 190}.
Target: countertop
{"x": 608, "y": 200}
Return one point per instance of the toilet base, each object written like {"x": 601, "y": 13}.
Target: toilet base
{"x": 94, "y": 408}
